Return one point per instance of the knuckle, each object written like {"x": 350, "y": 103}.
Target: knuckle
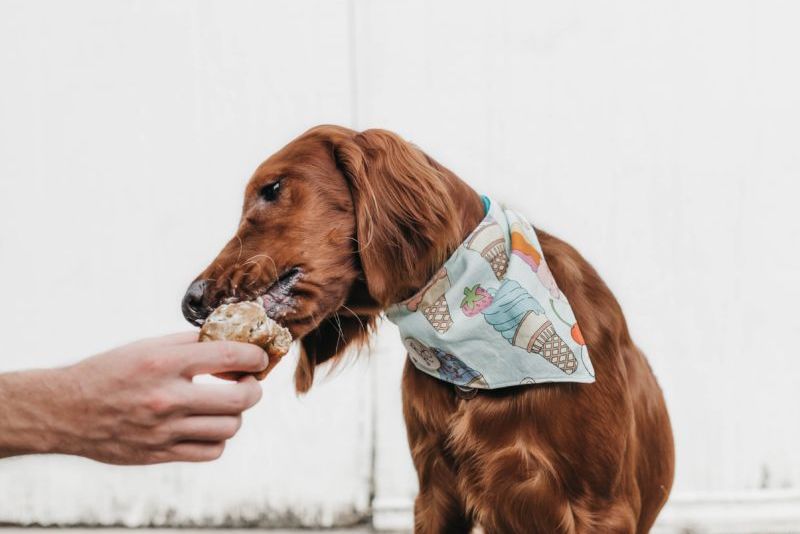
{"x": 228, "y": 354}
{"x": 151, "y": 364}
{"x": 164, "y": 435}
{"x": 240, "y": 403}
{"x": 151, "y": 440}
{"x": 165, "y": 457}
{"x": 162, "y": 439}
{"x": 157, "y": 457}
{"x": 159, "y": 403}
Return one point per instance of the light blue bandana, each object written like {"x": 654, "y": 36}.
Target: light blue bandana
{"x": 493, "y": 315}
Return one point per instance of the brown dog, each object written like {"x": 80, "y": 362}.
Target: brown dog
{"x": 338, "y": 225}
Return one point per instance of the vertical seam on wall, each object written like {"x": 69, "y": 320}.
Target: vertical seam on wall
{"x": 352, "y": 30}
{"x": 353, "y": 53}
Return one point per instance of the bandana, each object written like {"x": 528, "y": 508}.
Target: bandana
{"x": 493, "y": 316}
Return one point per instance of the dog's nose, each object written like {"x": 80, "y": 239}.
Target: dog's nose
{"x": 194, "y": 306}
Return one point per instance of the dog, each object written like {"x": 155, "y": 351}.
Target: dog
{"x": 338, "y": 226}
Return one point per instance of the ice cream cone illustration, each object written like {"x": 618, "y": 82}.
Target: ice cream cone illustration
{"x": 521, "y": 320}
{"x": 488, "y": 240}
{"x": 432, "y": 302}
{"x": 524, "y": 249}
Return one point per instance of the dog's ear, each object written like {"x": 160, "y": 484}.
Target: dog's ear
{"x": 405, "y": 229}
{"x": 403, "y": 209}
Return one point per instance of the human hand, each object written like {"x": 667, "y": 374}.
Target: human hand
{"x": 137, "y": 404}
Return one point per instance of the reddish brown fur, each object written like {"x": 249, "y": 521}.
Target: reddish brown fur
{"x": 370, "y": 218}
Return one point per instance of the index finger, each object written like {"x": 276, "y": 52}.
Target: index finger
{"x": 178, "y": 338}
{"x": 213, "y": 357}
{"x": 221, "y": 399}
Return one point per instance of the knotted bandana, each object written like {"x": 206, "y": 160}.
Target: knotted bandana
{"x": 493, "y": 316}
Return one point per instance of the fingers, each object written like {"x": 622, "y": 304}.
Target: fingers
{"x": 192, "y": 451}
{"x": 260, "y": 375}
{"x": 248, "y": 379}
{"x": 205, "y": 428}
{"x": 178, "y": 338}
{"x": 234, "y": 376}
{"x": 215, "y": 357}
{"x": 221, "y": 399}
{"x": 273, "y": 361}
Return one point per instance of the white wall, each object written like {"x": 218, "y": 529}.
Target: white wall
{"x": 664, "y": 134}
{"x": 127, "y": 133}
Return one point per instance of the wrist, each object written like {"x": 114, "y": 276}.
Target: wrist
{"x": 29, "y": 414}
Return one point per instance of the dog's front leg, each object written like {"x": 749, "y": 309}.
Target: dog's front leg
{"x": 523, "y": 471}
{"x": 438, "y": 507}
{"x": 428, "y": 406}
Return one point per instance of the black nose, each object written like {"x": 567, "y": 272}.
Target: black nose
{"x": 194, "y": 306}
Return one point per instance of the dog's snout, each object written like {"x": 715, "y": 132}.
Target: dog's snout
{"x": 194, "y": 306}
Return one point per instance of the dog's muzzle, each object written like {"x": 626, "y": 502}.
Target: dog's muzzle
{"x": 194, "y": 305}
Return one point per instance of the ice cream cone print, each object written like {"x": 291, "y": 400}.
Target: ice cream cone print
{"x": 432, "y": 303}
{"x": 521, "y": 320}
{"x": 488, "y": 240}
{"x": 546, "y": 342}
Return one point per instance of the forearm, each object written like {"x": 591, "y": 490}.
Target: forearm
{"x": 28, "y": 411}
{"x": 135, "y": 404}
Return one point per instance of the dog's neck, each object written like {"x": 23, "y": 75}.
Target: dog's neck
{"x": 468, "y": 211}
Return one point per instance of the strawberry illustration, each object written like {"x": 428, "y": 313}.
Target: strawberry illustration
{"x": 476, "y": 299}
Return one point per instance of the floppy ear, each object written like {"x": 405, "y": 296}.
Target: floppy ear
{"x": 403, "y": 204}
{"x": 404, "y": 210}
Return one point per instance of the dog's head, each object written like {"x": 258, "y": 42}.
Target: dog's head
{"x": 335, "y": 226}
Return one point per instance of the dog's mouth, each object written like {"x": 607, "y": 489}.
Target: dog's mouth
{"x": 277, "y": 298}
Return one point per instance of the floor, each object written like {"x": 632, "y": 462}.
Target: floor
{"x": 38, "y": 530}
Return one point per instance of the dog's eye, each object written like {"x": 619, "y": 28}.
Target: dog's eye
{"x": 270, "y": 192}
